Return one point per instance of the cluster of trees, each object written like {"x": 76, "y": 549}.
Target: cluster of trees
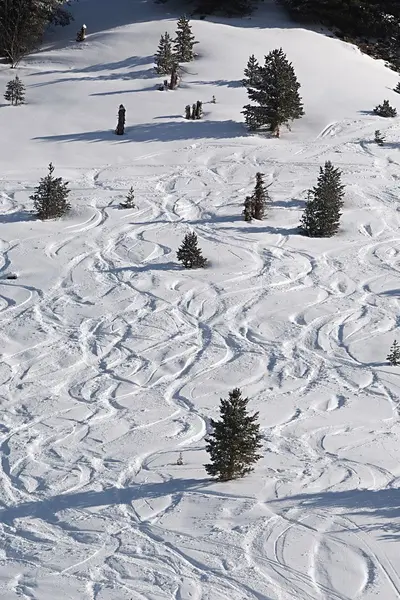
{"x": 171, "y": 52}
{"x": 373, "y": 24}
{"x": 22, "y": 24}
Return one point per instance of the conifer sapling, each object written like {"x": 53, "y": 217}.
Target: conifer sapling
{"x": 235, "y": 439}
{"x": 394, "y": 355}
{"x": 164, "y": 58}
{"x": 379, "y": 138}
{"x": 397, "y": 88}
{"x": 189, "y": 254}
{"x": 50, "y": 197}
{"x": 15, "y": 92}
{"x": 129, "y": 200}
{"x": 251, "y": 72}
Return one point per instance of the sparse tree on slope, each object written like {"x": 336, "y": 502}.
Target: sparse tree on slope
{"x": 235, "y": 439}
{"x": 184, "y": 41}
{"x": 50, "y": 197}
{"x": 276, "y": 94}
{"x": 189, "y": 254}
{"x": 259, "y": 198}
{"x": 251, "y": 72}
{"x": 164, "y": 58}
{"x": 15, "y": 91}
{"x": 322, "y": 214}
{"x": 129, "y": 199}
{"x": 394, "y": 355}
{"x": 397, "y": 88}
{"x": 379, "y": 138}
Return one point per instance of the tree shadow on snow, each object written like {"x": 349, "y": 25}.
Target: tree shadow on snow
{"x": 266, "y": 229}
{"x": 18, "y": 216}
{"x": 94, "y": 72}
{"x": 380, "y": 507}
{"x": 167, "y": 266}
{"x": 48, "y": 508}
{"x": 236, "y": 83}
{"x": 152, "y": 132}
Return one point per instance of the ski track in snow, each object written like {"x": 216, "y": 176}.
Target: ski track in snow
{"x": 114, "y": 365}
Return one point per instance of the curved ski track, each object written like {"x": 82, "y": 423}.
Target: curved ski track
{"x": 117, "y": 363}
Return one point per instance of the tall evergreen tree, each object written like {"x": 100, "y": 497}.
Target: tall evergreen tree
{"x": 184, "y": 41}
{"x": 15, "y": 91}
{"x": 50, "y": 197}
{"x": 189, "y": 254}
{"x": 164, "y": 58}
{"x": 251, "y": 72}
{"x": 235, "y": 439}
{"x": 394, "y": 355}
{"x": 322, "y": 214}
{"x": 276, "y": 92}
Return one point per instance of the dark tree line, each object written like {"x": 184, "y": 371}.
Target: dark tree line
{"x": 23, "y": 22}
{"x": 373, "y": 24}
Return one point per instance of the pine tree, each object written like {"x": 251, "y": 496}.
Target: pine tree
{"x": 322, "y": 212}
{"x": 130, "y": 200}
{"x": 184, "y": 41}
{"x": 394, "y": 355}
{"x": 275, "y": 91}
{"x": 235, "y": 439}
{"x": 50, "y": 197}
{"x": 251, "y": 72}
{"x": 397, "y": 88}
{"x": 15, "y": 91}
{"x": 385, "y": 110}
{"x": 164, "y": 58}
{"x": 189, "y": 254}
{"x": 248, "y": 210}
{"x": 379, "y": 138}
{"x": 259, "y": 199}
{"x": 120, "y": 129}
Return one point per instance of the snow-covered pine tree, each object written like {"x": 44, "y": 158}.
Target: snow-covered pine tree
{"x": 235, "y": 439}
{"x": 276, "y": 93}
{"x": 251, "y": 72}
{"x": 164, "y": 58}
{"x": 15, "y": 91}
{"x": 129, "y": 199}
{"x": 385, "y": 110}
{"x": 394, "y": 355}
{"x": 322, "y": 214}
{"x": 379, "y": 138}
{"x": 189, "y": 254}
{"x": 50, "y": 197}
{"x": 184, "y": 41}
{"x": 397, "y": 88}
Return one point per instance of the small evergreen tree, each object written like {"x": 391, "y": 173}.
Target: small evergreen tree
{"x": 276, "y": 92}
{"x": 188, "y": 112}
{"x": 322, "y": 212}
{"x": 120, "y": 129}
{"x": 194, "y": 105}
{"x": 129, "y": 199}
{"x": 397, "y": 88}
{"x": 189, "y": 254}
{"x": 50, "y": 197}
{"x": 164, "y": 58}
{"x": 385, "y": 110}
{"x": 235, "y": 439}
{"x": 184, "y": 41}
{"x": 394, "y": 355}
{"x": 15, "y": 91}
{"x": 251, "y": 72}
{"x": 248, "y": 209}
{"x": 379, "y": 138}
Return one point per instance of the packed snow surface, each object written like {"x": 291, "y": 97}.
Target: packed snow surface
{"x": 113, "y": 358}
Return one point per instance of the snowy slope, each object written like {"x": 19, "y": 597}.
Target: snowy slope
{"x": 114, "y": 359}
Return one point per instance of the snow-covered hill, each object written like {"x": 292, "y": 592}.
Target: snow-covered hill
{"x": 113, "y": 358}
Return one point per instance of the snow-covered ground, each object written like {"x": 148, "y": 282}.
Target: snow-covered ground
{"x": 113, "y": 358}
